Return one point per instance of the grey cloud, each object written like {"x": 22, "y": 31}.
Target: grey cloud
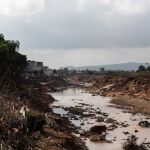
{"x": 65, "y": 25}
{"x": 20, "y": 8}
{"x": 99, "y": 31}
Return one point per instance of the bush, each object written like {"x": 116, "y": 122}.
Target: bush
{"x": 13, "y": 134}
{"x": 131, "y": 144}
{"x": 35, "y": 123}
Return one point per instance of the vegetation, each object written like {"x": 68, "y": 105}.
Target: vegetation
{"x": 102, "y": 70}
{"x": 13, "y": 127}
{"x": 17, "y": 132}
{"x": 143, "y": 68}
{"x": 12, "y": 62}
{"x": 35, "y": 123}
{"x": 131, "y": 144}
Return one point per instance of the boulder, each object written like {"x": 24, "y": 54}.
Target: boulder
{"x": 144, "y": 124}
{"x": 100, "y": 119}
{"x": 98, "y": 138}
{"x": 98, "y": 129}
{"x": 110, "y": 120}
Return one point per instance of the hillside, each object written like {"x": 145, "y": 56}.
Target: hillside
{"x": 123, "y": 66}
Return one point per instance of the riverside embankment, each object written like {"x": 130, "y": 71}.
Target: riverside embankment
{"x": 131, "y": 91}
{"x": 40, "y": 128}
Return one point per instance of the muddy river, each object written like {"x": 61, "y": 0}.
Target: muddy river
{"x": 127, "y": 123}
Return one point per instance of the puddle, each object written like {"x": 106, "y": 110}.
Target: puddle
{"x": 75, "y": 97}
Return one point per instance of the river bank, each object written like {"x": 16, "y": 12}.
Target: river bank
{"x": 133, "y": 105}
{"x": 130, "y": 91}
{"x": 127, "y": 92}
{"x": 41, "y": 128}
{"x": 67, "y": 119}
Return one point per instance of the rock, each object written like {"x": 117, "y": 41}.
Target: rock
{"x": 112, "y": 127}
{"x": 123, "y": 125}
{"x": 82, "y": 124}
{"x": 144, "y": 124}
{"x": 126, "y": 133}
{"x": 99, "y": 129}
{"x": 99, "y": 112}
{"x": 75, "y": 111}
{"x": 82, "y": 133}
{"x": 105, "y": 114}
{"x": 89, "y": 115}
{"x": 97, "y": 138}
{"x": 100, "y": 119}
{"x": 75, "y": 118}
{"x": 110, "y": 120}
{"x": 70, "y": 143}
{"x": 136, "y": 131}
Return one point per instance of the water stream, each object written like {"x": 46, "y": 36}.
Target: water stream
{"x": 75, "y": 97}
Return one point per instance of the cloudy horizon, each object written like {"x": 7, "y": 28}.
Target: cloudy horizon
{"x": 79, "y": 32}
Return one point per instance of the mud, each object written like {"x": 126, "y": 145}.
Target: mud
{"x": 88, "y": 111}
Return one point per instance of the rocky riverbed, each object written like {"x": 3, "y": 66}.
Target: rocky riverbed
{"x": 98, "y": 124}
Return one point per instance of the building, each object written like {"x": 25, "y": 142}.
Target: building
{"x": 62, "y": 72}
{"x": 37, "y": 69}
{"x": 47, "y": 71}
{"x": 34, "y": 66}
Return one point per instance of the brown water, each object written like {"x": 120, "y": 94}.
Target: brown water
{"x": 75, "y": 96}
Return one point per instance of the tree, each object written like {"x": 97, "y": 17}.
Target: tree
{"x": 141, "y": 68}
{"x": 148, "y": 68}
{"x": 102, "y": 70}
{"x": 54, "y": 71}
{"x": 12, "y": 62}
{"x": 1, "y": 37}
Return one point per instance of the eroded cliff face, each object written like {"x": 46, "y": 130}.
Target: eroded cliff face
{"x": 127, "y": 92}
{"x": 135, "y": 87}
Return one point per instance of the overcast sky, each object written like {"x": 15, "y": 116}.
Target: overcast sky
{"x": 79, "y": 32}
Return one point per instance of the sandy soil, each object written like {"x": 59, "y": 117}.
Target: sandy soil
{"x": 134, "y": 105}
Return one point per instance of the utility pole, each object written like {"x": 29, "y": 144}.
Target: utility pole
{"x": 147, "y": 64}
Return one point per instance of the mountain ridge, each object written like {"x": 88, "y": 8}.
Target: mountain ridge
{"x": 129, "y": 66}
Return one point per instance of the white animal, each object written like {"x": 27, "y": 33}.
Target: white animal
{"x": 24, "y": 110}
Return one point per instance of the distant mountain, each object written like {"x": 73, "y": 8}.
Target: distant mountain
{"x": 123, "y": 66}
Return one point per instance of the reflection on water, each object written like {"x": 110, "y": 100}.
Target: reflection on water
{"x": 75, "y": 97}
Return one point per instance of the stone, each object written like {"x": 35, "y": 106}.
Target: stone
{"x": 100, "y": 119}
{"x": 144, "y": 124}
{"x": 98, "y": 129}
